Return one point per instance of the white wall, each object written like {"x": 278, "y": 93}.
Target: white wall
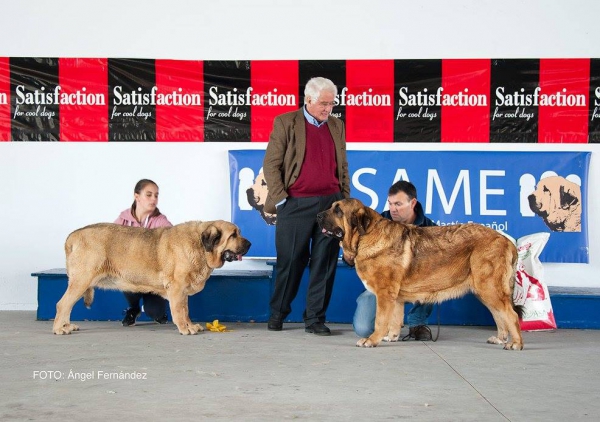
{"x": 47, "y": 190}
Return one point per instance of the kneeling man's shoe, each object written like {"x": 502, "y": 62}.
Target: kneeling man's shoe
{"x": 318, "y": 328}
{"x": 420, "y": 333}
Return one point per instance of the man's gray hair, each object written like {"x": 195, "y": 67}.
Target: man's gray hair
{"x": 314, "y": 87}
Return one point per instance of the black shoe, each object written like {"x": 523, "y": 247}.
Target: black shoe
{"x": 318, "y": 328}
{"x": 420, "y": 333}
{"x": 275, "y": 325}
{"x": 162, "y": 320}
{"x": 130, "y": 316}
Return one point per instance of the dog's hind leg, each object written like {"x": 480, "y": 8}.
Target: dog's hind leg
{"x": 507, "y": 322}
{"x": 396, "y": 321}
{"x": 511, "y": 322}
{"x": 502, "y": 336}
{"x": 62, "y": 321}
{"x": 493, "y": 281}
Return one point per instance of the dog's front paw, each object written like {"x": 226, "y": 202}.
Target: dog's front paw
{"x": 65, "y": 329}
{"x": 191, "y": 329}
{"x": 365, "y": 342}
{"x": 391, "y": 337}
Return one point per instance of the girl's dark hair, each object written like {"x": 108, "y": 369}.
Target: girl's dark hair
{"x": 139, "y": 187}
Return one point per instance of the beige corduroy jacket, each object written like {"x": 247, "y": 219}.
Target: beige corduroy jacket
{"x": 285, "y": 154}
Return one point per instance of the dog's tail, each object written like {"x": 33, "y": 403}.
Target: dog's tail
{"x": 520, "y": 309}
{"x": 88, "y": 297}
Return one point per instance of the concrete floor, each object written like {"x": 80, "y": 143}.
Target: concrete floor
{"x": 251, "y": 374}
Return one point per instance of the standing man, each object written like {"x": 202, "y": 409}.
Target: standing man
{"x": 306, "y": 170}
{"x": 404, "y": 207}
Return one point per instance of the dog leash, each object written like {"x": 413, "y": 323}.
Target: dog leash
{"x": 438, "y": 323}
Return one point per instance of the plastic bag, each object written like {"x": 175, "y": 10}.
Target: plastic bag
{"x": 531, "y": 291}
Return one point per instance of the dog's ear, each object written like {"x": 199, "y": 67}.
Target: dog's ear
{"x": 252, "y": 201}
{"x": 360, "y": 220}
{"x": 210, "y": 238}
{"x": 567, "y": 199}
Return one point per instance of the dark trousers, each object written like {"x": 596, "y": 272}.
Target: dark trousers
{"x": 155, "y": 306}
{"x": 298, "y": 238}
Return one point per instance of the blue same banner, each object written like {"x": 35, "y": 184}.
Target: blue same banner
{"x": 519, "y": 193}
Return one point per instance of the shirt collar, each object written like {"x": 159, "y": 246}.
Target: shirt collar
{"x": 420, "y": 219}
{"x": 311, "y": 119}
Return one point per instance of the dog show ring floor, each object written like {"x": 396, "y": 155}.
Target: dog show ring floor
{"x": 150, "y": 372}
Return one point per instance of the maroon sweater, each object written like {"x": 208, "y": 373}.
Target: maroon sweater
{"x": 318, "y": 175}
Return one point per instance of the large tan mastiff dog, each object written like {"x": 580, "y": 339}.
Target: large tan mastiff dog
{"x": 173, "y": 262}
{"x": 404, "y": 263}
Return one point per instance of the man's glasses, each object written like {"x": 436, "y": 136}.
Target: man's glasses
{"x": 326, "y": 104}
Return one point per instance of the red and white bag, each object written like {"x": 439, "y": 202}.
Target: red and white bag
{"x": 531, "y": 291}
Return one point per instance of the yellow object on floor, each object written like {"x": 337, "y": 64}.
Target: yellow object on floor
{"x": 215, "y": 326}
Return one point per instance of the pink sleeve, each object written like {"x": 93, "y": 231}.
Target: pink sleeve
{"x": 160, "y": 221}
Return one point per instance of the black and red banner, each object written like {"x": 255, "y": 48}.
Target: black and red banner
{"x": 435, "y": 100}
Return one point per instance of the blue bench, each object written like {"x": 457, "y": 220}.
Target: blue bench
{"x": 243, "y": 295}
{"x": 238, "y": 295}
{"x": 576, "y": 307}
